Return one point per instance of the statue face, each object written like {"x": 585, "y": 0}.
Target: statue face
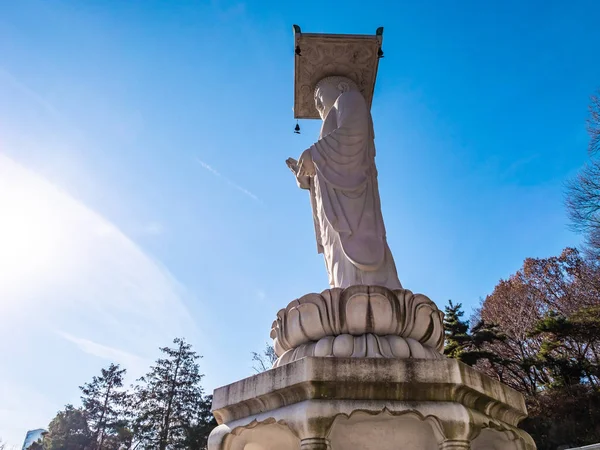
{"x": 325, "y": 97}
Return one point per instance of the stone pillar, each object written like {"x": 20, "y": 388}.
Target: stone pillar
{"x": 455, "y": 444}
{"x": 315, "y": 444}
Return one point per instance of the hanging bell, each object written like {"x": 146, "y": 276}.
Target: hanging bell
{"x": 297, "y": 128}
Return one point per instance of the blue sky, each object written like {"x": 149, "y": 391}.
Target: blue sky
{"x": 144, "y": 195}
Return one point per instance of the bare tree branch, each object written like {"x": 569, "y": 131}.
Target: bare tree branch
{"x": 593, "y": 124}
{"x": 583, "y": 192}
{"x": 265, "y": 360}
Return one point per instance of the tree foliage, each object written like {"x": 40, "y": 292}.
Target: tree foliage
{"x": 593, "y": 124}
{"x": 463, "y": 345}
{"x": 104, "y": 402}
{"x": 455, "y": 330}
{"x": 69, "y": 430}
{"x": 196, "y": 434}
{"x": 169, "y": 401}
{"x": 539, "y": 332}
{"x": 583, "y": 192}
{"x": 265, "y": 360}
{"x": 166, "y": 410}
{"x": 530, "y": 308}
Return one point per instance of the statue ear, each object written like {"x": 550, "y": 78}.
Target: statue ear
{"x": 343, "y": 86}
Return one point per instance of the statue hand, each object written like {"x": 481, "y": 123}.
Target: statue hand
{"x": 306, "y": 166}
{"x": 292, "y": 165}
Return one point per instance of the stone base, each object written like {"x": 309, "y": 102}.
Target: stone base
{"x": 369, "y": 403}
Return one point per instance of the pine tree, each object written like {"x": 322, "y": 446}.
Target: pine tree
{"x": 68, "y": 431}
{"x": 567, "y": 351}
{"x": 469, "y": 346}
{"x": 456, "y": 330}
{"x": 104, "y": 402}
{"x": 481, "y": 336}
{"x": 169, "y": 401}
{"x": 196, "y": 436}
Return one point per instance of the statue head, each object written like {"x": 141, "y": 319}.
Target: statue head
{"x": 328, "y": 90}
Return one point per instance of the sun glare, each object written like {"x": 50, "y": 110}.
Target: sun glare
{"x": 30, "y": 228}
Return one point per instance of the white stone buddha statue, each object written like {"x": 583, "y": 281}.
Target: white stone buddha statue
{"x": 339, "y": 171}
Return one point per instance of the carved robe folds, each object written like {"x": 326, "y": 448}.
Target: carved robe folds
{"x": 345, "y": 199}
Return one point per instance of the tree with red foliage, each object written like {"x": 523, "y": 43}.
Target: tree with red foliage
{"x": 543, "y": 339}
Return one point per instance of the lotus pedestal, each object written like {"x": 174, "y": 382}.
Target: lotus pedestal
{"x": 362, "y": 369}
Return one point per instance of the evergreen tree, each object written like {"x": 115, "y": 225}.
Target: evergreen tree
{"x": 481, "y": 337}
{"x": 169, "y": 401}
{"x": 469, "y": 347}
{"x": 196, "y": 436}
{"x": 455, "y": 330}
{"x": 103, "y": 405}
{"x": 68, "y": 431}
{"x": 570, "y": 347}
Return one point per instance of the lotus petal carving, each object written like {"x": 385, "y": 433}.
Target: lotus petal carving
{"x": 363, "y": 346}
{"x": 358, "y": 311}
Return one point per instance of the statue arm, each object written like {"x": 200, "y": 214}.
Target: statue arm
{"x": 303, "y": 182}
{"x": 352, "y": 125}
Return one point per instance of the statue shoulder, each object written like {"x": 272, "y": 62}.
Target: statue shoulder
{"x": 350, "y": 107}
{"x": 351, "y": 100}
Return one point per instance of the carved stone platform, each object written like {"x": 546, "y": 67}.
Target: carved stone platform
{"x": 369, "y": 403}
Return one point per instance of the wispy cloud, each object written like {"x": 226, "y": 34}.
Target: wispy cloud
{"x": 517, "y": 165}
{"x": 218, "y": 174}
{"x": 13, "y": 81}
{"x": 128, "y": 360}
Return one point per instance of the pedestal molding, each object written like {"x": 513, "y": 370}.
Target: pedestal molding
{"x": 368, "y": 379}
